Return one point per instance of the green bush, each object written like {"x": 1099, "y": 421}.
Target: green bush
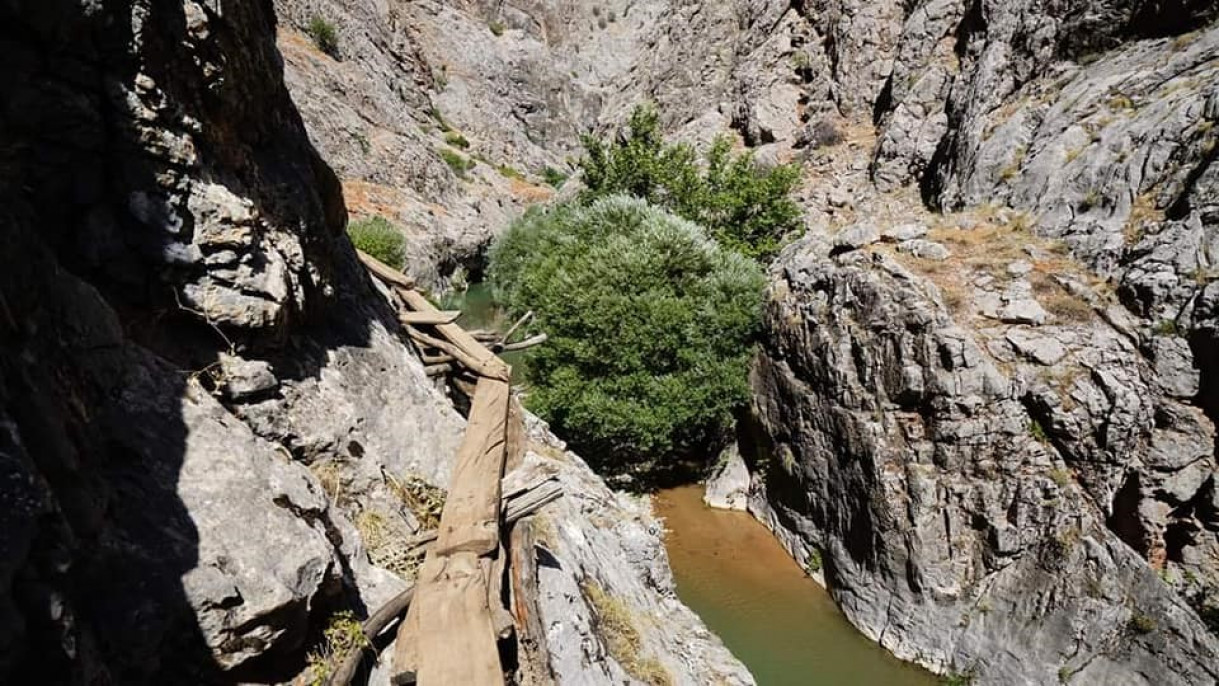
{"x": 460, "y": 165}
{"x": 379, "y": 238}
{"x": 554, "y": 177}
{"x": 324, "y": 35}
{"x": 456, "y": 140}
{"x": 743, "y": 205}
{"x": 650, "y": 324}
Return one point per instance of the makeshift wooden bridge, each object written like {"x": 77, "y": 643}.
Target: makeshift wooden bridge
{"x": 456, "y": 614}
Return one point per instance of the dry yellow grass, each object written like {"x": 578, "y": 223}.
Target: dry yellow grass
{"x": 617, "y": 626}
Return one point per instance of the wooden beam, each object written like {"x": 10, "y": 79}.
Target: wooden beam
{"x": 459, "y": 644}
{"x": 532, "y": 653}
{"x": 470, "y": 519}
{"x": 437, "y": 317}
{"x": 482, "y": 361}
{"x": 384, "y": 272}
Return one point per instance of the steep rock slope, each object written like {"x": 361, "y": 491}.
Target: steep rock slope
{"x": 203, "y": 398}
{"x": 994, "y": 422}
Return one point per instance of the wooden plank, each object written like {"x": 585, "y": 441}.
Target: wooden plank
{"x": 458, "y": 645}
{"x": 485, "y": 363}
{"x": 405, "y": 665}
{"x": 532, "y": 652}
{"x": 437, "y": 317}
{"x": 470, "y": 519}
{"x": 384, "y": 272}
{"x": 515, "y": 451}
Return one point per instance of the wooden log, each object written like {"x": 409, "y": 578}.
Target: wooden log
{"x": 474, "y": 364}
{"x": 470, "y": 519}
{"x": 437, "y": 369}
{"x": 437, "y": 317}
{"x": 483, "y": 361}
{"x": 532, "y": 652}
{"x": 501, "y": 619}
{"x": 458, "y": 646}
{"x": 372, "y": 627}
{"x": 384, "y": 272}
{"x": 512, "y": 329}
{"x": 527, "y": 343}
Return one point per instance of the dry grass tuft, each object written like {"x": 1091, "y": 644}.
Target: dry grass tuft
{"x": 617, "y": 626}
{"x": 329, "y": 474}
{"x": 424, "y": 500}
{"x": 387, "y": 544}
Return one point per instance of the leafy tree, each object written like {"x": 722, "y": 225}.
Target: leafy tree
{"x": 743, "y": 205}
{"x": 650, "y": 324}
{"x": 379, "y": 238}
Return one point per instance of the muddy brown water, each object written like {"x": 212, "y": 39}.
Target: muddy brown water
{"x": 771, "y": 615}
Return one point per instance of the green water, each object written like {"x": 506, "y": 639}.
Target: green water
{"x": 774, "y": 618}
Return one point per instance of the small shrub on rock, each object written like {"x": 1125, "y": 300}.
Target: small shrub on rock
{"x": 743, "y": 205}
{"x": 324, "y": 35}
{"x": 650, "y": 325}
{"x": 379, "y": 238}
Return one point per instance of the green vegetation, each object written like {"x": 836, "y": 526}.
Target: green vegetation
{"x": 497, "y": 27}
{"x": 1167, "y": 327}
{"x": 743, "y": 205}
{"x": 456, "y": 140}
{"x": 1037, "y": 431}
{"x": 379, "y": 238}
{"x": 460, "y": 165}
{"x": 554, "y": 177}
{"x": 440, "y": 120}
{"x": 958, "y": 678}
{"x": 1061, "y": 477}
{"x": 813, "y": 565}
{"x": 1141, "y": 624}
{"x": 650, "y": 324}
{"x": 343, "y": 635}
{"x": 324, "y": 35}
{"x": 509, "y": 172}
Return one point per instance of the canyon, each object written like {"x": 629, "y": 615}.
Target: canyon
{"x": 984, "y": 400}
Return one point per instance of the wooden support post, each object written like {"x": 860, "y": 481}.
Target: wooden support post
{"x": 532, "y": 653}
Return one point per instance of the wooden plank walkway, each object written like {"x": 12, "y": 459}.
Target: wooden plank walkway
{"x": 457, "y": 617}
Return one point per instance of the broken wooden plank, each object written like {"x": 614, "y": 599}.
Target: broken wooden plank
{"x": 483, "y": 361}
{"x": 470, "y": 519}
{"x": 437, "y": 369}
{"x": 459, "y": 645}
{"x": 437, "y": 317}
{"x": 384, "y": 272}
{"x": 532, "y": 652}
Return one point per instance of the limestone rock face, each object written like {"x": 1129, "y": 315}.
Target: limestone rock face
{"x": 973, "y": 512}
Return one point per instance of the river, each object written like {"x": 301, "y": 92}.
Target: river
{"x": 771, "y": 615}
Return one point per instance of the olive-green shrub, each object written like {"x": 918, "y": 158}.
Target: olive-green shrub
{"x": 651, "y": 325}
{"x": 744, "y": 205}
{"x": 379, "y": 238}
